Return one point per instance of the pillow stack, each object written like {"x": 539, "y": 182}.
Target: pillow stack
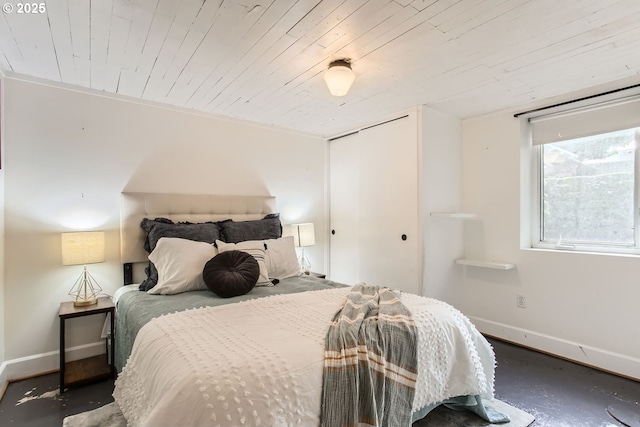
{"x": 221, "y": 256}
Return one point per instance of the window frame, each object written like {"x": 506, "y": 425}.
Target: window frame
{"x": 536, "y": 191}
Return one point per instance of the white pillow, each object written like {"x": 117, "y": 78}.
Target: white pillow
{"x": 255, "y": 248}
{"x": 180, "y": 263}
{"x": 281, "y": 259}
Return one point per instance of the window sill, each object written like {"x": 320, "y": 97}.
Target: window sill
{"x": 580, "y": 251}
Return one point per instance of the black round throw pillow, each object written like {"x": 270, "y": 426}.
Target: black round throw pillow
{"x": 231, "y": 273}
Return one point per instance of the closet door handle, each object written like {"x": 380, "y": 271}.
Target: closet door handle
{"x": 333, "y": 232}
{"x": 404, "y": 237}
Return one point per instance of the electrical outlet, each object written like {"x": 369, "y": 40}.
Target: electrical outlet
{"x": 521, "y": 301}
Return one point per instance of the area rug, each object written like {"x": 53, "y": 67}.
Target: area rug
{"x": 110, "y": 416}
{"x": 444, "y": 417}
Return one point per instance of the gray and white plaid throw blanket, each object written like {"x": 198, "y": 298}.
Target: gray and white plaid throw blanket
{"x": 370, "y": 361}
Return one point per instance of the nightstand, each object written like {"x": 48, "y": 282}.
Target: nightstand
{"x": 318, "y": 275}
{"x": 93, "y": 368}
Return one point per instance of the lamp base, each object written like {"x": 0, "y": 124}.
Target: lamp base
{"x": 85, "y": 291}
{"x": 83, "y": 303}
{"x": 305, "y": 265}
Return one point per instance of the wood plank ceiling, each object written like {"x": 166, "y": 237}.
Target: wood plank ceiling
{"x": 263, "y": 60}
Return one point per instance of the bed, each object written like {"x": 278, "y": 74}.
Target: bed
{"x": 256, "y": 359}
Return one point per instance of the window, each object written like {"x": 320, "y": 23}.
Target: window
{"x": 586, "y": 186}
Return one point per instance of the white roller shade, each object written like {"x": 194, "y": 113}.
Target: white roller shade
{"x": 586, "y": 121}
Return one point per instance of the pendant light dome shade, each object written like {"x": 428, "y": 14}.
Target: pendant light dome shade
{"x": 339, "y": 77}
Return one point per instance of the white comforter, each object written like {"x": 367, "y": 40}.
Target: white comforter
{"x": 259, "y": 362}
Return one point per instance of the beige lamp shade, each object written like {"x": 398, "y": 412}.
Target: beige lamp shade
{"x": 306, "y": 235}
{"x": 303, "y": 234}
{"x": 85, "y": 247}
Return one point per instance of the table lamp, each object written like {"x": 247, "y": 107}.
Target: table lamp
{"x": 303, "y": 236}
{"x": 82, "y": 248}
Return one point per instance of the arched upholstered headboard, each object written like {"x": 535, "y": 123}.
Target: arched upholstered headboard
{"x": 134, "y": 207}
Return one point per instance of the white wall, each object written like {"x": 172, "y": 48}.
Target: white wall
{"x": 3, "y": 377}
{"x": 441, "y": 192}
{"x": 68, "y": 156}
{"x": 580, "y": 306}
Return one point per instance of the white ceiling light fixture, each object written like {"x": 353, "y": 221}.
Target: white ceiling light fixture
{"x": 339, "y": 77}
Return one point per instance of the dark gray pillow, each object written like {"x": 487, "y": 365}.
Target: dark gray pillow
{"x": 147, "y": 225}
{"x": 262, "y": 229}
{"x": 207, "y": 232}
{"x": 157, "y": 228}
{"x": 230, "y": 274}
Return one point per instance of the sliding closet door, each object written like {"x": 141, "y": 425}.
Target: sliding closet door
{"x": 374, "y": 202}
{"x": 344, "y": 202}
{"x": 390, "y": 244}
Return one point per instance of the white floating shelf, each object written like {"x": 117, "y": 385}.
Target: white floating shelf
{"x": 486, "y": 264}
{"x": 460, "y": 215}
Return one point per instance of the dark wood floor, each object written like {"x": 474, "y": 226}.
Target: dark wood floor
{"x": 46, "y": 407}
{"x": 558, "y": 393}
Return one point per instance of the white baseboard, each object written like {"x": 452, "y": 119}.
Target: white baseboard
{"x": 596, "y": 357}
{"x": 36, "y": 364}
{"x": 4, "y": 380}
